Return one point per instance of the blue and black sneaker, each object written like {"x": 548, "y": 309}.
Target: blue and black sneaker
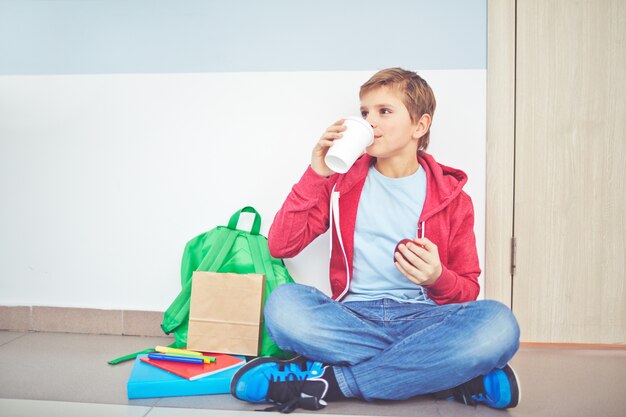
{"x": 288, "y": 384}
{"x": 500, "y": 388}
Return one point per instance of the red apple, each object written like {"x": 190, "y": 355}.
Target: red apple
{"x": 403, "y": 241}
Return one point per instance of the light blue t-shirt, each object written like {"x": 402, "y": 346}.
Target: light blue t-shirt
{"x": 389, "y": 210}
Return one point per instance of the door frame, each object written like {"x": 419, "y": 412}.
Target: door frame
{"x": 500, "y": 187}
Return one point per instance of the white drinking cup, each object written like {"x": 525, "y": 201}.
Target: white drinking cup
{"x": 347, "y": 149}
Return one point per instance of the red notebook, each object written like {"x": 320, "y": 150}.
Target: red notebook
{"x": 193, "y": 371}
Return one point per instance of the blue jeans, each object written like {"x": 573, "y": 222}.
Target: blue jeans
{"x": 389, "y": 350}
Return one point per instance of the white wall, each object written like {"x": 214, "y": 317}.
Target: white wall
{"x": 103, "y": 178}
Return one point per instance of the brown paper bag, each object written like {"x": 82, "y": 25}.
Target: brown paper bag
{"x": 226, "y": 313}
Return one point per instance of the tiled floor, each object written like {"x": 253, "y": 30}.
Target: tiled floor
{"x": 61, "y": 374}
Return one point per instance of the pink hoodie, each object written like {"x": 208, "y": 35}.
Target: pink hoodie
{"x": 447, "y": 219}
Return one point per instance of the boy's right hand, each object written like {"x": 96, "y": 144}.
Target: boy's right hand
{"x": 321, "y": 148}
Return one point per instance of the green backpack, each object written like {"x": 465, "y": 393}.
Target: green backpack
{"x": 223, "y": 249}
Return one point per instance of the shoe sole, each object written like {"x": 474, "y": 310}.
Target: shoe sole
{"x": 252, "y": 364}
{"x": 516, "y": 389}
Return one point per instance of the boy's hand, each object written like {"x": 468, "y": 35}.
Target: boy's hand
{"x": 321, "y": 148}
{"x": 419, "y": 261}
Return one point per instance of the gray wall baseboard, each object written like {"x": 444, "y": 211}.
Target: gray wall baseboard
{"x": 81, "y": 320}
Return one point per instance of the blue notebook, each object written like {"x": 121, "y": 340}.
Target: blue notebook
{"x": 147, "y": 381}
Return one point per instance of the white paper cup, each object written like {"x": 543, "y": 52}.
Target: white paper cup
{"x": 347, "y": 149}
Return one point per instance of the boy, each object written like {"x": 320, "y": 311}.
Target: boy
{"x": 399, "y": 323}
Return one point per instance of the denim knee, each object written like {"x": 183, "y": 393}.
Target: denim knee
{"x": 504, "y": 324}
{"x": 500, "y": 334}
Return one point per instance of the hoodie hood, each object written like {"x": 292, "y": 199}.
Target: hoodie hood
{"x": 444, "y": 183}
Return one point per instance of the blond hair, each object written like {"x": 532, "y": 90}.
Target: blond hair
{"x": 417, "y": 95}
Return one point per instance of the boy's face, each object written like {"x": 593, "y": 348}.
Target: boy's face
{"x": 394, "y": 132}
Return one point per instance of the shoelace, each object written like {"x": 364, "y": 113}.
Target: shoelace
{"x": 307, "y": 403}
{"x": 293, "y": 367}
{"x": 287, "y": 395}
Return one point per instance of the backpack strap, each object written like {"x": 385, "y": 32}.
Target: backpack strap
{"x": 134, "y": 355}
{"x": 129, "y": 357}
{"x": 217, "y": 253}
{"x": 261, "y": 259}
{"x": 256, "y": 226}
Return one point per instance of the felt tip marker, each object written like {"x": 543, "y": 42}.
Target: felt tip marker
{"x": 207, "y": 359}
{"x": 163, "y": 349}
{"x": 172, "y": 358}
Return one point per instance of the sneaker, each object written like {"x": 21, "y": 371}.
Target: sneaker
{"x": 500, "y": 388}
{"x": 289, "y": 384}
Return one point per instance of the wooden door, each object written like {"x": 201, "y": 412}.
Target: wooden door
{"x": 569, "y": 219}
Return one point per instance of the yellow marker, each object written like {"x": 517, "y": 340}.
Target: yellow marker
{"x": 163, "y": 349}
{"x": 207, "y": 359}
